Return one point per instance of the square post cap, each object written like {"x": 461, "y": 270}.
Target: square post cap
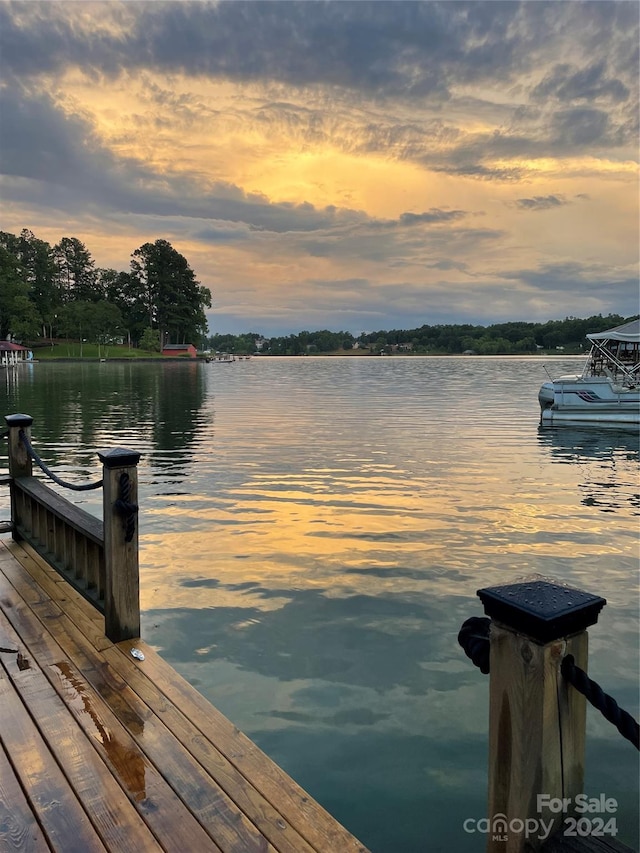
{"x": 118, "y": 457}
{"x": 542, "y": 610}
{"x": 18, "y": 420}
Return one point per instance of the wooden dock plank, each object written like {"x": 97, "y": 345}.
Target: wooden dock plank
{"x": 19, "y": 829}
{"x": 113, "y": 815}
{"x": 52, "y": 799}
{"x": 244, "y": 795}
{"x": 315, "y": 824}
{"x": 165, "y": 814}
{"x": 260, "y": 810}
{"x": 584, "y": 844}
{"x": 287, "y": 804}
{"x": 230, "y": 829}
{"x": 143, "y": 720}
{"x": 50, "y": 583}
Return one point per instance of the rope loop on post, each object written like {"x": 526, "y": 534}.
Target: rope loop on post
{"x": 74, "y": 486}
{"x": 474, "y": 639}
{"x": 125, "y": 508}
{"x": 607, "y": 706}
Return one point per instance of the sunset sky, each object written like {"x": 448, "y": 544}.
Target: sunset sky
{"x": 341, "y": 165}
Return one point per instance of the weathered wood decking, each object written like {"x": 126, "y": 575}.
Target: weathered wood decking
{"x": 104, "y": 752}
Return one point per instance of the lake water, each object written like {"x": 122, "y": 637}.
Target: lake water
{"x": 313, "y": 532}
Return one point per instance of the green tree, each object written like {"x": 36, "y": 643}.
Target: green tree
{"x": 40, "y": 268}
{"x": 150, "y": 340}
{"x": 76, "y": 271}
{"x": 106, "y": 323}
{"x": 35, "y": 266}
{"x": 167, "y": 289}
{"x": 97, "y": 322}
{"x": 24, "y": 321}
{"x": 76, "y": 320}
{"x": 380, "y": 343}
{"x": 13, "y": 287}
{"x": 122, "y": 290}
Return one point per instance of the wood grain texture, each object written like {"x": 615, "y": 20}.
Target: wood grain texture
{"x": 164, "y": 813}
{"x": 72, "y": 515}
{"x": 112, "y": 814}
{"x": 173, "y": 768}
{"x": 563, "y": 844}
{"x": 52, "y": 799}
{"x": 122, "y": 584}
{"x": 19, "y": 460}
{"x": 19, "y": 829}
{"x": 536, "y": 729}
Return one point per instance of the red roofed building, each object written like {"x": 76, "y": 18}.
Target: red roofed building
{"x": 179, "y": 349}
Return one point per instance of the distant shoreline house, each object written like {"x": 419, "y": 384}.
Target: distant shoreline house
{"x": 179, "y": 349}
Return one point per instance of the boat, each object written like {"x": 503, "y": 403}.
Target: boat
{"x": 221, "y": 358}
{"x": 607, "y": 391}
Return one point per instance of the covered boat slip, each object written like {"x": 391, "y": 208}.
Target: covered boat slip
{"x": 102, "y": 751}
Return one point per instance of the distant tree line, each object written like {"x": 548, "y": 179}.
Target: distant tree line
{"x": 57, "y": 291}
{"x": 498, "y": 339}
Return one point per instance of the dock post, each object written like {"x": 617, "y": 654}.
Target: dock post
{"x": 537, "y": 720}
{"x": 19, "y": 460}
{"x": 20, "y": 464}
{"x": 122, "y": 583}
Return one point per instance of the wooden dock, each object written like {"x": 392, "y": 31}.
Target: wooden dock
{"x": 104, "y": 747}
{"x": 104, "y": 752}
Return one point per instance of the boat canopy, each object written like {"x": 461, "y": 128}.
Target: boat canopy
{"x": 629, "y": 332}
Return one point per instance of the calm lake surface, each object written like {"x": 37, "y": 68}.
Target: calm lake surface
{"x": 313, "y": 532}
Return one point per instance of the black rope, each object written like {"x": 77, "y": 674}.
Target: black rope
{"x": 607, "y": 706}
{"x": 76, "y": 488}
{"x": 125, "y": 508}
{"x": 474, "y": 639}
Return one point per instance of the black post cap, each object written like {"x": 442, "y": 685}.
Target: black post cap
{"x": 542, "y": 610}
{"x": 118, "y": 457}
{"x": 18, "y": 420}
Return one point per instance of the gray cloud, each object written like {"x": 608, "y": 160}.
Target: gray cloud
{"x": 430, "y": 216}
{"x": 357, "y": 304}
{"x": 584, "y": 84}
{"x": 580, "y": 126}
{"x": 397, "y": 245}
{"x": 459, "y": 89}
{"x": 577, "y": 278}
{"x": 416, "y": 53}
{"x": 386, "y": 48}
{"x": 448, "y": 264}
{"x": 538, "y": 202}
{"x": 40, "y": 143}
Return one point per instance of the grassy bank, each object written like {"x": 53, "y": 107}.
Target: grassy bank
{"x": 75, "y": 350}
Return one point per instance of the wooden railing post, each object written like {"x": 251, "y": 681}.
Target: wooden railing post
{"x": 122, "y": 585}
{"x": 537, "y": 720}
{"x": 20, "y": 464}
{"x": 19, "y": 460}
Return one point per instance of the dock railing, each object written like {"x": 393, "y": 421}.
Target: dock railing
{"x": 98, "y": 558}
{"x": 534, "y": 644}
